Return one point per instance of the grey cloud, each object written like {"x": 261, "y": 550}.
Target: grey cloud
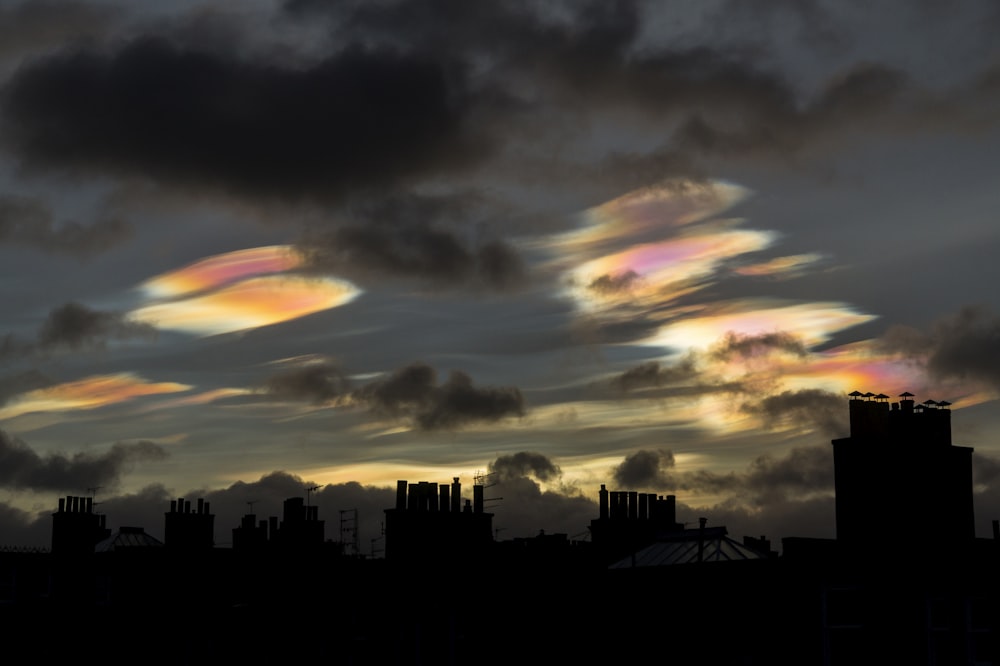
{"x": 408, "y": 387}
{"x": 802, "y": 471}
{"x": 645, "y": 469}
{"x": 417, "y": 236}
{"x": 611, "y": 284}
{"x": 812, "y": 406}
{"x": 748, "y": 346}
{"x": 965, "y": 345}
{"x": 653, "y": 374}
{"x": 776, "y": 518}
{"x": 35, "y": 25}
{"x": 523, "y": 509}
{"x": 422, "y": 252}
{"x": 459, "y": 403}
{"x": 317, "y": 382}
{"x": 985, "y": 469}
{"x": 358, "y": 119}
{"x": 20, "y": 529}
{"x": 30, "y": 223}
{"x": 22, "y": 468}
{"x": 265, "y": 497}
{"x": 22, "y": 382}
{"x": 76, "y": 327}
{"x": 525, "y": 463}
{"x": 413, "y": 392}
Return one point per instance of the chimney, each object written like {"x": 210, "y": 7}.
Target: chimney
{"x": 603, "y": 494}
{"x": 400, "y": 495}
{"x": 478, "y": 500}
{"x": 701, "y": 539}
{"x": 456, "y": 495}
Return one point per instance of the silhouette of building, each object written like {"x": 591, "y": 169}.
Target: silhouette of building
{"x": 128, "y": 538}
{"x": 251, "y": 535}
{"x": 76, "y": 529}
{"x": 185, "y": 529}
{"x": 430, "y": 523}
{"x": 629, "y": 520}
{"x": 694, "y": 546}
{"x": 903, "y": 583}
{"x": 899, "y": 474}
{"x": 300, "y": 526}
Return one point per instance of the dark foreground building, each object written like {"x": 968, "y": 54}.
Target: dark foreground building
{"x": 905, "y": 582}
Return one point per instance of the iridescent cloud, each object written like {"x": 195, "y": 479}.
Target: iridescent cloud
{"x": 248, "y": 304}
{"x": 779, "y": 266}
{"x": 664, "y": 269}
{"x": 812, "y": 323}
{"x": 222, "y": 269}
{"x": 88, "y": 393}
{"x": 239, "y": 290}
{"x": 653, "y": 209}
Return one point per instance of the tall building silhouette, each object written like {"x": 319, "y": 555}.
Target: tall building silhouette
{"x": 898, "y": 474}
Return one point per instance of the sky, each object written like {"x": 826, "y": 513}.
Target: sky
{"x": 252, "y": 248}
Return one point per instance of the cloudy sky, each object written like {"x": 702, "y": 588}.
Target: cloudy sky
{"x": 249, "y": 248}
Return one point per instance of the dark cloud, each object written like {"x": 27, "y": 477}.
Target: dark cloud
{"x": 645, "y": 469}
{"x": 523, "y": 509}
{"x": 317, "y": 383}
{"x": 417, "y": 236}
{"x": 613, "y": 329}
{"x": 76, "y": 327}
{"x": 525, "y": 463}
{"x": 20, "y": 529}
{"x": 35, "y": 25}
{"x": 985, "y": 469}
{"x": 22, "y": 382}
{"x": 613, "y": 284}
{"x": 813, "y": 407}
{"x": 407, "y": 388}
{"x": 965, "y": 345}
{"x": 801, "y": 472}
{"x": 30, "y": 223}
{"x": 358, "y": 119}
{"x": 652, "y": 374}
{"x": 458, "y": 402}
{"x": 22, "y": 468}
{"x": 413, "y": 392}
{"x": 780, "y": 517}
{"x": 749, "y": 346}
{"x": 421, "y": 252}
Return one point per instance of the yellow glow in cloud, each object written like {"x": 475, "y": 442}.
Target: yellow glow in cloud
{"x": 670, "y": 205}
{"x": 661, "y": 268}
{"x": 861, "y": 367}
{"x": 779, "y": 266}
{"x": 249, "y": 304}
{"x": 88, "y": 393}
{"x": 223, "y": 269}
{"x": 812, "y": 323}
